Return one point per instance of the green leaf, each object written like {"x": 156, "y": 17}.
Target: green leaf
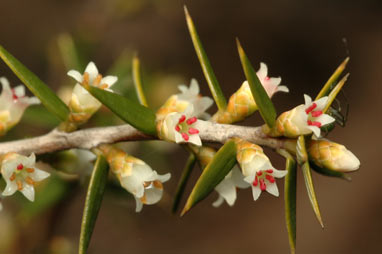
{"x": 137, "y": 115}
{"x": 334, "y": 92}
{"x": 311, "y": 193}
{"x": 332, "y": 80}
{"x": 209, "y": 74}
{"x": 93, "y": 201}
{"x": 290, "y": 200}
{"x": 329, "y": 172}
{"x": 183, "y": 181}
{"x": 69, "y": 52}
{"x": 138, "y": 81}
{"x": 213, "y": 174}
{"x": 264, "y": 103}
{"x": 47, "y": 97}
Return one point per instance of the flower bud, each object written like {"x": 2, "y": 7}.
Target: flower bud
{"x": 327, "y": 154}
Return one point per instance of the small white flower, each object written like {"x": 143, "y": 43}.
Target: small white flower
{"x": 191, "y": 95}
{"x": 259, "y": 172}
{"x": 143, "y": 182}
{"x": 182, "y": 127}
{"x": 20, "y": 173}
{"x": 13, "y": 103}
{"x": 227, "y": 187}
{"x": 271, "y": 85}
{"x": 310, "y": 118}
{"x": 82, "y": 100}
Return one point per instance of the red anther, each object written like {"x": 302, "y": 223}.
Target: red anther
{"x": 20, "y": 166}
{"x": 255, "y": 182}
{"x": 316, "y": 113}
{"x": 314, "y": 123}
{"x": 270, "y": 178}
{"x": 177, "y": 128}
{"x": 259, "y": 173}
{"x": 14, "y": 96}
{"x": 182, "y": 118}
{"x": 185, "y": 136}
{"x": 267, "y": 78}
{"x": 311, "y": 108}
{"x": 263, "y": 187}
{"x": 191, "y": 120}
{"x": 270, "y": 171}
{"x": 193, "y": 131}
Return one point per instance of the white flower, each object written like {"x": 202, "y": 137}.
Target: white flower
{"x": 310, "y": 118}
{"x": 82, "y": 100}
{"x": 182, "y": 127}
{"x": 143, "y": 182}
{"x": 13, "y": 103}
{"x": 271, "y": 85}
{"x": 227, "y": 187}
{"x": 259, "y": 172}
{"x": 20, "y": 173}
{"x": 191, "y": 95}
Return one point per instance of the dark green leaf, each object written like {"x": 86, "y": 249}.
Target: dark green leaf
{"x": 93, "y": 201}
{"x": 209, "y": 74}
{"x": 138, "y": 81}
{"x": 47, "y": 97}
{"x": 183, "y": 181}
{"x": 137, "y": 115}
{"x": 311, "y": 193}
{"x": 264, "y": 103}
{"x": 332, "y": 80}
{"x": 329, "y": 172}
{"x": 290, "y": 201}
{"x": 213, "y": 174}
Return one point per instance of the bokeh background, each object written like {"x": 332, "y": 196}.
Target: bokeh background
{"x": 301, "y": 41}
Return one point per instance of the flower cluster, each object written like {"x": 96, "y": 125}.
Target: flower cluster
{"x": 302, "y": 120}
{"x": 135, "y": 176}
{"x": 242, "y": 104}
{"x": 13, "y": 103}
{"x": 177, "y": 119}
{"x": 21, "y": 174}
{"x": 82, "y": 104}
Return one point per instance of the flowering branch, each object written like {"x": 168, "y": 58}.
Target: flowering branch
{"x": 93, "y": 137}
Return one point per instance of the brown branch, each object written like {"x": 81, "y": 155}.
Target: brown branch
{"x": 93, "y": 137}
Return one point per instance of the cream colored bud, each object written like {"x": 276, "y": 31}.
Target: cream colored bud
{"x": 325, "y": 153}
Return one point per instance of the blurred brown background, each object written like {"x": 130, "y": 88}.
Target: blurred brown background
{"x": 301, "y": 41}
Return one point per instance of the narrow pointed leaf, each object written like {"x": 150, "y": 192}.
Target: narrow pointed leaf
{"x": 212, "y": 175}
{"x": 290, "y": 200}
{"x": 301, "y": 153}
{"x": 329, "y": 172}
{"x": 93, "y": 202}
{"x": 138, "y": 81}
{"x": 332, "y": 80}
{"x": 47, "y": 97}
{"x": 69, "y": 52}
{"x": 209, "y": 74}
{"x": 264, "y": 103}
{"x": 136, "y": 115}
{"x": 190, "y": 164}
{"x": 311, "y": 193}
{"x": 333, "y": 94}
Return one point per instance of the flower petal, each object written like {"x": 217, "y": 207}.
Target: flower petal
{"x": 325, "y": 119}
{"x": 262, "y": 72}
{"x": 10, "y": 189}
{"x": 315, "y": 130}
{"x": 139, "y": 205}
{"x": 279, "y": 173}
{"x": 164, "y": 178}
{"x": 282, "y": 89}
{"x": 194, "y": 87}
{"x": 19, "y": 91}
{"x": 28, "y": 192}
{"x": 195, "y": 139}
{"x": 256, "y": 192}
{"x": 218, "y": 202}
{"x": 272, "y": 189}
{"x": 76, "y": 75}
{"x": 39, "y": 175}
{"x": 308, "y": 100}
{"x": 109, "y": 80}
{"x": 92, "y": 70}
{"x": 321, "y": 103}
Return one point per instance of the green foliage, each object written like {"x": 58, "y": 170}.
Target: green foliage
{"x": 264, "y": 103}
{"x": 138, "y": 116}
{"x": 190, "y": 164}
{"x": 212, "y": 175}
{"x": 209, "y": 74}
{"x": 47, "y": 97}
{"x": 93, "y": 201}
{"x": 138, "y": 81}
